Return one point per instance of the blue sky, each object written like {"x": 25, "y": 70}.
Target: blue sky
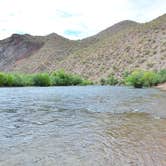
{"x": 74, "y": 19}
{"x": 74, "y": 33}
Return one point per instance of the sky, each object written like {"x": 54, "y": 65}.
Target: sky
{"x": 74, "y": 19}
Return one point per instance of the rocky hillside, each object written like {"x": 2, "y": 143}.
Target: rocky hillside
{"x": 123, "y": 47}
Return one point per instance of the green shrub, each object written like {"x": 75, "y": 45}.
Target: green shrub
{"x": 103, "y": 81}
{"x": 2, "y": 79}
{"x": 17, "y": 80}
{"x": 162, "y": 76}
{"x": 42, "y": 79}
{"x": 61, "y": 78}
{"x": 140, "y": 78}
{"x": 9, "y": 80}
{"x": 135, "y": 79}
{"x": 125, "y": 74}
{"x": 150, "y": 78}
{"x": 77, "y": 80}
{"x": 112, "y": 80}
{"x": 6, "y": 79}
{"x": 86, "y": 82}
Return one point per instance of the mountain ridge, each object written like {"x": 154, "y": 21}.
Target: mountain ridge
{"x": 125, "y": 46}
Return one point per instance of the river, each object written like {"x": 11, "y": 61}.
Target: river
{"x": 82, "y": 126}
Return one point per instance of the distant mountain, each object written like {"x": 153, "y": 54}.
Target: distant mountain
{"x": 124, "y": 46}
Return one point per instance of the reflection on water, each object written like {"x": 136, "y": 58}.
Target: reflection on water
{"x": 82, "y": 126}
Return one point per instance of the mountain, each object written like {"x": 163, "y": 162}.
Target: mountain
{"x": 124, "y": 46}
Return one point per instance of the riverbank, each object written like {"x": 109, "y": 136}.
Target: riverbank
{"x": 137, "y": 79}
{"x": 162, "y": 86}
{"x": 57, "y": 78}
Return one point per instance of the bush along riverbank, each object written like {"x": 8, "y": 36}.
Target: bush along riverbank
{"x": 57, "y": 78}
{"x": 137, "y": 79}
{"x": 140, "y": 78}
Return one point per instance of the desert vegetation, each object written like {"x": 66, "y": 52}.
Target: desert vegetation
{"x": 140, "y": 78}
{"x": 137, "y": 78}
{"x": 57, "y": 78}
{"x": 111, "y": 80}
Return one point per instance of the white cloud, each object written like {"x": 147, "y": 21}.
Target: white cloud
{"x": 41, "y": 17}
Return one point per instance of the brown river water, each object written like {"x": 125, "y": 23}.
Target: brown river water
{"x": 82, "y": 126}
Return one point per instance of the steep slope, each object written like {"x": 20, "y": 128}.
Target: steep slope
{"x": 26, "y": 53}
{"x": 17, "y": 47}
{"x": 123, "y": 47}
{"x": 54, "y": 49}
{"x": 133, "y": 46}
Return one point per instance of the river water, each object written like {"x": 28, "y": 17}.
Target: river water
{"x": 82, "y": 126}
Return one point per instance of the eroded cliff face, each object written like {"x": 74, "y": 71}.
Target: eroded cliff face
{"x": 123, "y": 47}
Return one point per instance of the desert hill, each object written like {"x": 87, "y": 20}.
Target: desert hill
{"x": 125, "y": 46}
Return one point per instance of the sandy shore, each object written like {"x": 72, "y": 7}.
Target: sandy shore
{"x": 162, "y": 86}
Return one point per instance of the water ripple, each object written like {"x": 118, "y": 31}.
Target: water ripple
{"x": 84, "y": 126}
